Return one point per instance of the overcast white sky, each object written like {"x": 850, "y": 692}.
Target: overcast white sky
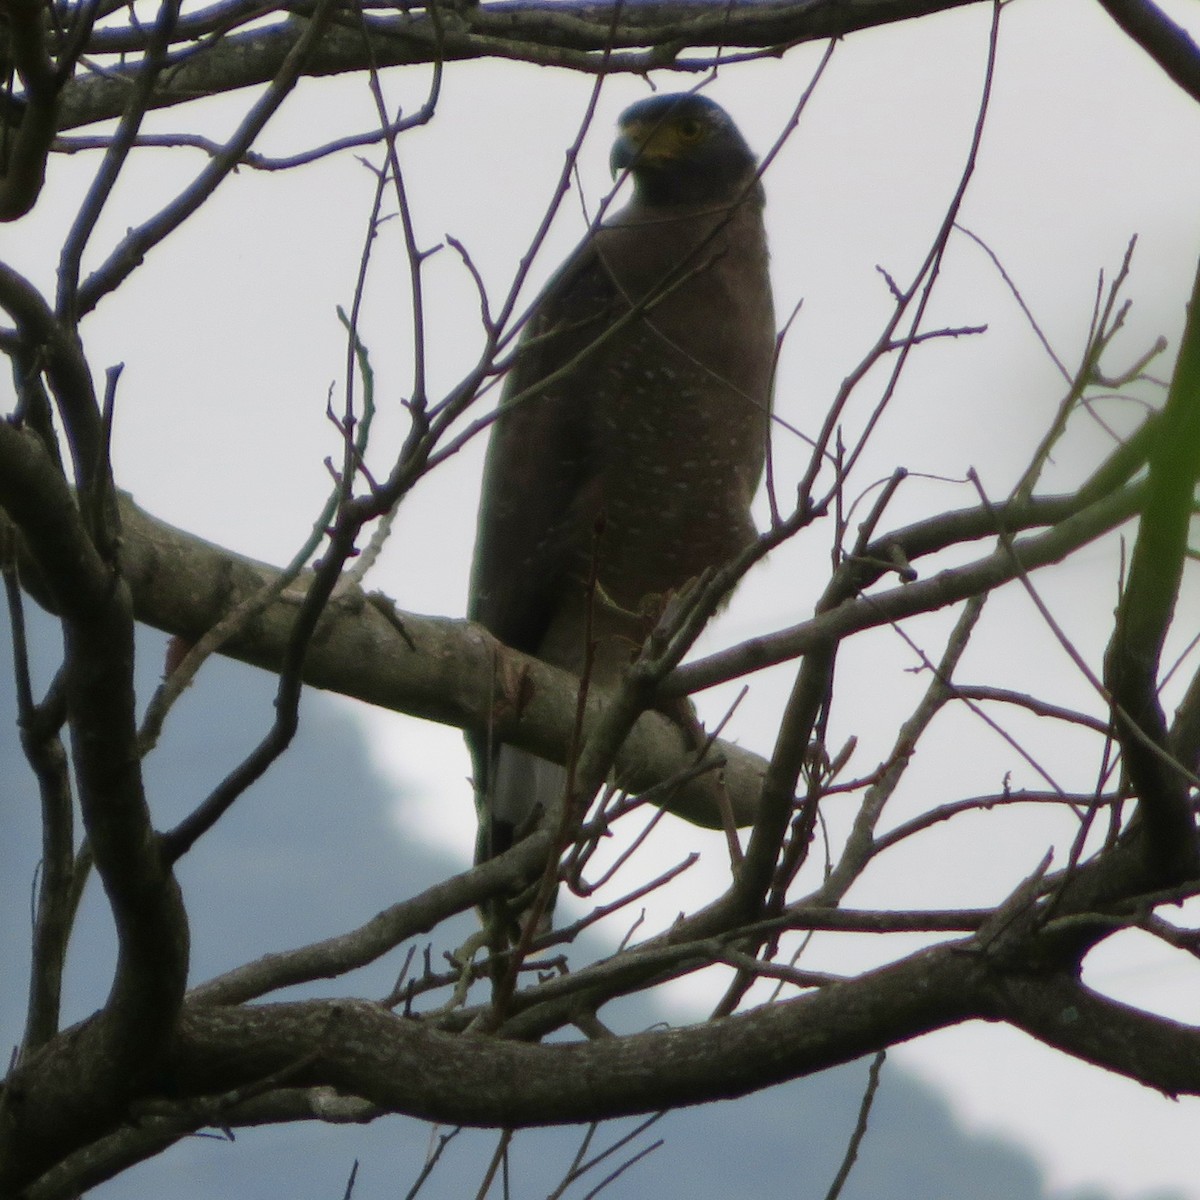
{"x": 230, "y": 343}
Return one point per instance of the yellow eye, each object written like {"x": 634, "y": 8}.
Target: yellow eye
{"x": 689, "y": 129}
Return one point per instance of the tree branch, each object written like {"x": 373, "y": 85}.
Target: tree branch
{"x": 402, "y": 1066}
{"x": 1167, "y": 43}
{"x": 23, "y": 170}
{"x": 926, "y": 595}
{"x": 1060, "y": 1011}
{"x": 1144, "y": 617}
{"x": 572, "y": 35}
{"x": 81, "y": 1090}
{"x": 437, "y": 669}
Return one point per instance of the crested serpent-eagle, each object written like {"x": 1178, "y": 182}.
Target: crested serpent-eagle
{"x": 636, "y": 466}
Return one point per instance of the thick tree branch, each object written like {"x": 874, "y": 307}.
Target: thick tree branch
{"x": 23, "y": 167}
{"x": 1060, "y": 1011}
{"x": 167, "y": 1124}
{"x": 403, "y": 1066}
{"x": 1144, "y": 618}
{"x": 1167, "y": 43}
{"x": 363, "y": 1052}
{"x": 437, "y": 669}
{"x": 57, "y": 352}
{"x": 110, "y": 1059}
{"x": 572, "y": 35}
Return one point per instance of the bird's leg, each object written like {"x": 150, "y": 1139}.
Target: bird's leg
{"x": 660, "y": 616}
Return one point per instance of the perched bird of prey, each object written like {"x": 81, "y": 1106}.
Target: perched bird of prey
{"x": 636, "y": 463}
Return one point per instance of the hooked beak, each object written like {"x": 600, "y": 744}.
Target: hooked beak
{"x": 624, "y": 154}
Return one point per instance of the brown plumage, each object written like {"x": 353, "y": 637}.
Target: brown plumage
{"x": 645, "y": 455}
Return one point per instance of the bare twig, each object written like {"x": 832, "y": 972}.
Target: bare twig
{"x": 860, "y": 1128}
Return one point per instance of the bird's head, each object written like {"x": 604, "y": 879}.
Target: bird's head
{"x": 683, "y": 149}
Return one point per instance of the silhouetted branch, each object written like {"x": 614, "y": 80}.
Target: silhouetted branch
{"x": 571, "y": 35}
{"x": 1144, "y": 617}
{"x": 109, "y": 1062}
{"x": 1167, "y": 43}
{"x": 23, "y": 162}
